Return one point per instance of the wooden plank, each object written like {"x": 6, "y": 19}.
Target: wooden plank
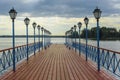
{"x": 54, "y": 70}
{"x": 51, "y": 69}
{"x": 62, "y": 74}
{"x": 46, "y": 72}
{"x": 71, "y": 68}
{"x": 65, "y": 68}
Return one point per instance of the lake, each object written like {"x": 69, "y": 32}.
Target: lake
{"x": 7, "y": 43}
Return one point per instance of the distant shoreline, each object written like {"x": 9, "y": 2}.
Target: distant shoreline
{"x": 107, "y": 39}
{"x": 24, "y": 36}
{"x": 31, "y": 36}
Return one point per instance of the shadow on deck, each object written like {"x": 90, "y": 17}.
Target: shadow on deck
{"x": 57, "y": 63}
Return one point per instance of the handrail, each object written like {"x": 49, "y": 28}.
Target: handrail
{"x": 109, "y": 59}
{"x": 116, "y": 52}
{"x": 15, "y": 47}
{"x": 6, "y": 56}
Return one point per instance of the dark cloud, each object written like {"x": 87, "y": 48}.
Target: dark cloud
{"x": 62, "y": 8}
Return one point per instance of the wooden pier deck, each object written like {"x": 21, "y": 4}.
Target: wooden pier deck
{"x": 57, "y": 63}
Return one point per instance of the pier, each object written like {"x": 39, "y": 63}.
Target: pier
{"x": 57, "y": 62}
{"x": 72, "y": 59}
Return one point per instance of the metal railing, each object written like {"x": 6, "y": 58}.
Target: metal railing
{"x": 109, "y": 59}
{"x": 6, "y": 56}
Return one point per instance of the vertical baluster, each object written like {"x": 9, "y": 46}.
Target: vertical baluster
{"x": 114, "y": 62}
{"x": 3, "y": 57}
{"x": 108, "y": 59}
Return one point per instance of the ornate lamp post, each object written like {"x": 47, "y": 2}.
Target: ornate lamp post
{"x": 86, "y": 20}
{"x": 39, "y": 36}
{"x": 69, "y": 33}
{"x": 75, "y": 35}
{"x": 27, "y": 20}
{"x": 79, "y": 26}
{"x": 34, "y": 26}
{"x": 65, "y": 37}
{"x": 97, "y": 14}
{"x": 72, "y": 36}
{"x": 49, "y": 38}
{"x": 42, "y": 37}
{"x": 13, "y": 15}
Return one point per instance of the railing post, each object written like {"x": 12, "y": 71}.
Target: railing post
{"x": 79, "y": 43}
{"x": 72, "y": 37}
{"x": 86, "y": 43}
{"x": 98, "y": 51}
{"x": 86, "y": 20}
{"x": 79, "y": 26}
{"x": 14, "y": 64}
{"x": 113, "y": 62}
{"x": 65, "y": 38}
{"x": 42, "y": 37}
{"x": 75, "y": 40}
{"x": 97, "y": 14}
{"x": 27, "y": 41}
{"x": 75, "y": 36}
{"x": 13, "y": 15}
{"x": 39, "y": 38}
{"x": 27, "y": 20}
{"x": 34, "y": 42}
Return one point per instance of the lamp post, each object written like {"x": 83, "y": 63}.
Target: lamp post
{"x": 42, "y": 36}
{"x": 34, "y": 26}
{"x": 72, "y": 35}
{"x": 27, "y": 20}
{"x": 69, "y": 33}
{"x": 75, "y": 35}
{"x": 13, "y": 15}
{"x": 49, "y": 37}
{"x": 86, "y": 20}
{"x": 65, "y": 38}
{"x": 39, "y": 36}
{"x": 97, "y": 14}
{"x": 79, "y": 26}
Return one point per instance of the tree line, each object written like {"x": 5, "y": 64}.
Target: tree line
{"x": 105, "y": 33}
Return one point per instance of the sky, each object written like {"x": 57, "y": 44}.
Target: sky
{"x": 57, "y": 16}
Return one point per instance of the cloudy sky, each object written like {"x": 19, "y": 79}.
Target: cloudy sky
{"x": 57, "y": 16}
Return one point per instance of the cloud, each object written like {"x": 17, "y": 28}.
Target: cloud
{"x": 61, "y": 8}
{"x": 30, "y": 1}
{"x": 57, "y": 16}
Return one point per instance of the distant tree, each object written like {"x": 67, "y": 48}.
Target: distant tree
{"x": 93, "y": 32}
{"x": 105, "y": 33}
{"x": 83, "y": 33}
{"x": 75, "y": 34}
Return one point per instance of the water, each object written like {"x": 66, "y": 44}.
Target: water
{"x": 111, "y": 45}
{"x": 7, "y": 43}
